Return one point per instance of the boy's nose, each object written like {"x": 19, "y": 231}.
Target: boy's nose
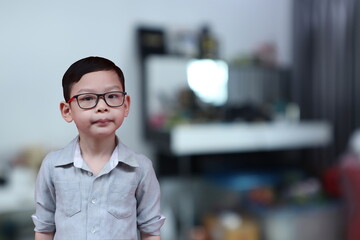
{"x": 102, "y": 105}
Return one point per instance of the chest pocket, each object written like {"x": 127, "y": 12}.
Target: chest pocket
{"x": 121, "y": 200}
{"x": 68, "y": 197}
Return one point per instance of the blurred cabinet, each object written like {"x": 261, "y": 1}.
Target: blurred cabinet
{"x": 180, "y": 125}
{"x": 185, "y": 131}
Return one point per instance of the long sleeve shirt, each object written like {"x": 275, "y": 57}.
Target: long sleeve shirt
{"x": 75, "y": 204}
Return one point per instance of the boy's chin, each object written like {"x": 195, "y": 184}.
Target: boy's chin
{"x": 99, "y": 135}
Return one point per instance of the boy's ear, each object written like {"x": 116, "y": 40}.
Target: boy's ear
{"x": 66, "y": 111}
{"x": 127, "y": 105}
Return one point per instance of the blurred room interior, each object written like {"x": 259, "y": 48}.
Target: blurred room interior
{"x": 246, "y": 107}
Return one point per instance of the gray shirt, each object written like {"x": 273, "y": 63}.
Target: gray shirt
{"x": 76, "y": 205}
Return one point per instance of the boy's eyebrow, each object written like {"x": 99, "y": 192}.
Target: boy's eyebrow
{"x": 107, "y": 89}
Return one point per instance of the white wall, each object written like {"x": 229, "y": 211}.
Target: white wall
{"x": 40, "y": 39}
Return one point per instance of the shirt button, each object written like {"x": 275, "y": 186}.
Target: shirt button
{"x": 94, "y": 230}
{"x": 90, "y": 174}
{"x": 93, "y": 201}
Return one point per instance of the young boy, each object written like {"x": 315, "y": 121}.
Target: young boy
{"x": 96, "y": 187}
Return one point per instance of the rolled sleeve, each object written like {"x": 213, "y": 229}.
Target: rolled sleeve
{"x": 42, "y": 226}
{"x": 149, "y": 218}
{"x": 153, "y": 227}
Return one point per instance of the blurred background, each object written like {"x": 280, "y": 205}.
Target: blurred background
{"x": 248, "y": 109}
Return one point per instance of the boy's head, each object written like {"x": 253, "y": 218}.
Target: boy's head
{"x": 95, "y": 97}
{"x": 88, "y": 65}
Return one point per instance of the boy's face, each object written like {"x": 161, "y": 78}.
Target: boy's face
{"x": 101, "y": 120}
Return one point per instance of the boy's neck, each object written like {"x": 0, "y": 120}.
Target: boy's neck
{"x": 90, "y": 146}
{"x": 97, "y": 152}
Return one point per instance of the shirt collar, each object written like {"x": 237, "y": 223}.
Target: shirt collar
{"x": 79, "y": 161}
{"x": 71, "y": 154}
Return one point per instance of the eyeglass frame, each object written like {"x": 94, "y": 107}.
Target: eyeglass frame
{"x": 98, "y": 96}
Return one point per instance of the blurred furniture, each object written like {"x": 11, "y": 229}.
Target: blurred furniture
{"x": 17, "y": 205}
{"x": 185, "y": 128}
{"x": 194, "y": 139}
{"x": 180, "y": 122}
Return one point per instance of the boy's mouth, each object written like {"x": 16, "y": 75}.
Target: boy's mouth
{"x": 102, "y": 121}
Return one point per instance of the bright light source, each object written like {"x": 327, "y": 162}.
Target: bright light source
{"x": 208, "y": 79}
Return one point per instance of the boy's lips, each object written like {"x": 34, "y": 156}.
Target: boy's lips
{"x": 102, "y": 121}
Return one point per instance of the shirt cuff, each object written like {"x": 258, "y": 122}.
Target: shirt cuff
{"x": 153, "y": 227}
{"x": 42, "y": 226}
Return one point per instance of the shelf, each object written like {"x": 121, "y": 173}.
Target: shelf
{"x": 241, "y": 137}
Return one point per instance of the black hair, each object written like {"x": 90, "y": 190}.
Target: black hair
{"x": 88, "y": 65}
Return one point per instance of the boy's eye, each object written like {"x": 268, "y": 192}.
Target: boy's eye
{"x": 113, "y": 95}
{"x": 85, "y": 98}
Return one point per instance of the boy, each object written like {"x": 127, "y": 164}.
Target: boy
{"x": 96, "y": 187}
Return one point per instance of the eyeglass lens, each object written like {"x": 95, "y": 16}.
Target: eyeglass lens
{"x": 90, "y": 100}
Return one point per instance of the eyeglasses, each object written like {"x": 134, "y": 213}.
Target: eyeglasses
{"x": 90, "y": 100}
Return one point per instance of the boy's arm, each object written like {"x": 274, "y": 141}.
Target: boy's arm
{"x": 45, "y": 236}
{"x": 145, "y": 236}
{"x": 45, "y": 203}
{"x": 149, "y": 218}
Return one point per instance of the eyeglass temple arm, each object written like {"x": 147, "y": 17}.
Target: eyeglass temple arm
{"x": 70, "y": 100}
